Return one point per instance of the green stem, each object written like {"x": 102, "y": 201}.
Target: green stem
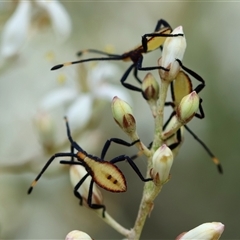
{"x": 150, "y": 192}
{"x": 160, "y": 115}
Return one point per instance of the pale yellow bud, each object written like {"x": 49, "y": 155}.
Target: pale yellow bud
{"x": 188, "y": 107}
{"x": 150, "y": 87}
{"x": 77, "y": 235}
{"x": 171, "y": 128}
{"x": 123, "y": 116}
{"x": 206, "y": 231}
{"x": 162, "y": 162}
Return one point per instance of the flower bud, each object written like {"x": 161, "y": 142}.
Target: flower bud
{"x": 77, "y": 235}
{"x": 171, "y": 128}
{"x": 45, "y": 128}
{"x": 206, "y": 231}
{"x": 76, "y": 173}
{"x": 188, "y": 107}
{"x": 162, "y": 162}
{"x": 173, "y": 48}
{"x": 123, "y": 116}
{"x": 150, "y": 87}
{"x": 174, "y": 140}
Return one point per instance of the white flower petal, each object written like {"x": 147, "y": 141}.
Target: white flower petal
{"x": 80, "y": 111}
{"x": 60, "y": 19}
{"x": 101, "y": 72}
{"x": 58, "y": 97}
{"x": 206, "y": 231}
{"x": 107, "y": 91}
{"x": 77, "y": 235}
{"x": 174, "y": 48}
{"x": 15, "y": 30}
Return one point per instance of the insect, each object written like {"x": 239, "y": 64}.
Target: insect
{"x": 105, "y": 174}
{"x": 181, "y": 87}
{"x": 150, "y": 42}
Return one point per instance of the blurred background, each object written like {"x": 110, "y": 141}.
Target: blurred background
{"x": 197, "y": 193}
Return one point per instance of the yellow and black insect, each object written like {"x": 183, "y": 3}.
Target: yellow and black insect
{"x": 150, "y": 42}
{"x": 105, "y": 174}
{"x": 181, "y": 87}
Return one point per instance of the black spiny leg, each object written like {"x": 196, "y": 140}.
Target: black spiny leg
{"x": 195, "y": 75}
{"x": 124, "y": 77}
{"x": 118, "y": 141}
{"x": 94, "y": 205}
{"x": 47, "y": 165}
{"x": 161, "y": 24}
{"x": 209, "y": 152}
{"x": 90, "y": 191}
{"x": 132, "y": 164}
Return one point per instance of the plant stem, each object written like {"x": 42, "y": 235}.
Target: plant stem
{"x": 114, "y": 224}
{"x": 150, "y": 192}
{"x": 160, "y": 115}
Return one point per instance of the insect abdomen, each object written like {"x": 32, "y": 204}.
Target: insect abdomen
{"x": 106, "y": 175}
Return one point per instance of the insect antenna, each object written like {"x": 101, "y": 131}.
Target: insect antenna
{"x": 86, "y": 60}
{"x": 47, "y": 165}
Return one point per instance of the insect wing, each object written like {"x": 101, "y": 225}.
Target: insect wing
{"x": 157, "y": 41}
{"x": 182, "y": 86}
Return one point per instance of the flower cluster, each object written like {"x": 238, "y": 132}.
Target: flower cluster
{"x": 82, "y": 102}
{"x": 168, "y": 136}
{"x": 31, "y": 13}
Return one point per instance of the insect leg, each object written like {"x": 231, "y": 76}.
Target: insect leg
{"x": 135, "y": 74}
{"x": 118, "y": 141}
{"x": 201, "y": 113}
{"x": 161, "y": 23}
{"x": 132, "y": 164}
{"x": 214, "y": 159}
{"x": 124, "y": 77}
{"x": 153, "y": 35}
{"x": 139, "y": 66}
{"x": 169, "y": 119}
{"x": 93, "y": 205}
{"x": 179, "y": 140}
{"x": 195, "y": 75}
{"x": 47, "y": 165}
{"x": 78, "y": 185}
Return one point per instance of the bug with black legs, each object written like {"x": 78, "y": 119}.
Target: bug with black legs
{"x": 181, "y": 87}
{"x": 150, "y": 42}
{"x": 104, "y": 173}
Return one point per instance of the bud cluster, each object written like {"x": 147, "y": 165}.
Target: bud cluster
{"x": 185, "y": 108}
{"x": 167, "y": 137}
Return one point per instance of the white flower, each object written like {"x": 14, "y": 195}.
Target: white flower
{"x": 77, "y": 235}
{"x": 16, "y": 29}
{"x": 78, "y": 100}
{"x": 206, "y": 231}
{"x": 60, "y": 19}
{"x": 173, "y": 48}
